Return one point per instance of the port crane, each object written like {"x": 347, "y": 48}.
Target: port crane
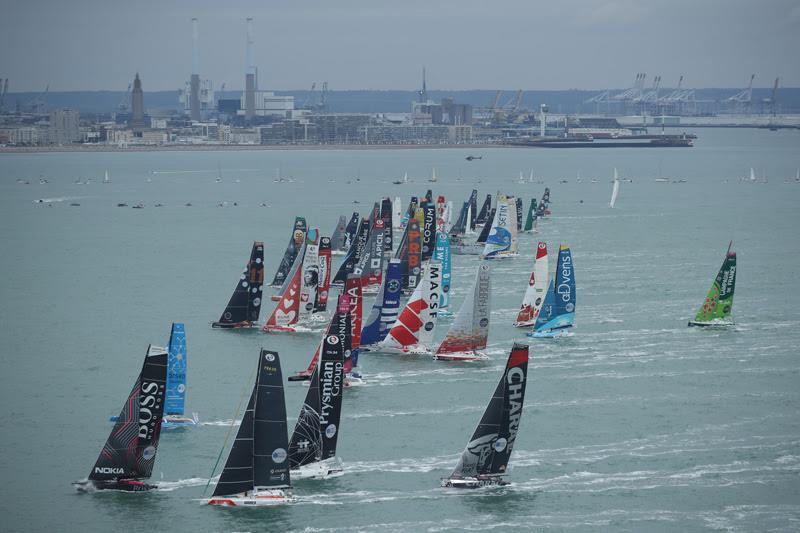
{"x": 745, "y": 97}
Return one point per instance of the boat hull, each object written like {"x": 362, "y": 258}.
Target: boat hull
{"x": 473, "y": 482}
{"x": 716, "y": 324}
{"x": 177, "y": 421}
{"x": 550, "y": 333}
{"x": 237, "y": 325}
{"x": 123, "y": 485}
{"x": 320, "y": 470}
{"x": 255, "y": 499}
{"x": 461, "y": 356}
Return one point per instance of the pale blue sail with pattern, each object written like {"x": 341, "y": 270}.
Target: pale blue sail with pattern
{"x": 387, "y": 305}
{"x": 442, "y": 253}
{"x": 176, "y": 371}
{"x": 558, "y": 310}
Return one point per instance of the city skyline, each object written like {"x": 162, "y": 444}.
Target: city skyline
{"x": 601, "y": 44}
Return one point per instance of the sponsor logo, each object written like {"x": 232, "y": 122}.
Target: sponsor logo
{"x": 500, "y": 444}
{"x": 330, "y": 431}
{"x": 570, "y": 307}
{"x": 108, "y": 470}
{"x": 330, "y": 387}
{"x": 566, "y": 278}
{"x": 333, "y": 339}
{"x": 516, "y": 387}
{"x": 393, "y": 285}
{"x": 148, "y": 453}
{"x": 484, "y": 322}
{"x": 279, "y": 455}
{"x": 428, "y": 326}
{"x": 148, "y": 401}
{"x": 269, "y": 357}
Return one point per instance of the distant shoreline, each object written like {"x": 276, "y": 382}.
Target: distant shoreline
{"x": 238, "y": 147}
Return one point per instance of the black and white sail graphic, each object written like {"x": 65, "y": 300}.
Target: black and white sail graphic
{"x": 130, "y": 451}
{"x": 351, "y": 230}
{"x": 483, "y": 215}
{"x": 490, "y": 446}
{"x": 339, "y": 237}
{"x": 460, "y": 227}
{"x": 259, "y": 456}
{"x": 317, "y": 429}
{"x": 296, "y": 241}
{"x": 245, "y": 303}
{"x": 386, "y": 216}
{"x": 484, "y": 234}
{"x": 353, "y": 254}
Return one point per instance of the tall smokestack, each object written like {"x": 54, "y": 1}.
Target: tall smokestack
{"x": 194, "y": 81}
{"x": 250, "y": 75}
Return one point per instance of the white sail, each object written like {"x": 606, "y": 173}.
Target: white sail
{"x": 449, "y": 218}
{"x": 469, "y": 230}
{"x": 405, "y": 178}
{"x": 614, "y": 190}
{"x": 752, "y": 174}
{"x": 433, "y": 176}
{"x": 470, "y": 330}
{"x": 106, "y": 178}
{"x": 535, "y": 293}
{"x": 521, "y": 178}
{"x": 309, "y": 283}
{"x": 530, "y": 178}
{"x": 397, "y": 214}
{"x": 502, "y": 240}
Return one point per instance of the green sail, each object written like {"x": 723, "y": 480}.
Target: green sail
{"x": 531, "y": 215}
{"x": 718, "y": 304}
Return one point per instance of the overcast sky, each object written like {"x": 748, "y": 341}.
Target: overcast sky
{"x": 374, "y": 44}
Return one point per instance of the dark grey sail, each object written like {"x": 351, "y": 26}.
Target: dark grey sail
{"x": 339, "y": 238}
{"x": 353, "y": 254}
{"x": 351, "y": 230}
{"x": 490, "y": 446}
{"x": 386, "y": 216}
{"x": 296, "y": 241}
{"x": 245, "y": 304}
{"x": 519, "y": 214}
{"x": 473, "y": 203}
{"x": 130, "y": 451}
{"x": 487, "y": 227}
{"x": 317, "y": 429}
{"x": 483, "y": 215}
{"x": 258, "y": 457}
{"x": 428, "y": 230}
{"x": 460, "y": 227}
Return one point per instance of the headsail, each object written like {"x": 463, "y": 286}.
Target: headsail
{"x": 484, "y": 234}
{"x": 130, "y": 450}
{"x": 470, "y": 330}
{"x": 535, "y": 293}
{"x": 387, "y": 303}
{"x": 397, "y": 212}
{"x": 718, "y": 305}
{"x": 295, "y": 243}
{"x": 488, "y": 450}
{"x": 258, "y": 455}
{"x": 245, "y": 304}
{"x": 176, "y": 371}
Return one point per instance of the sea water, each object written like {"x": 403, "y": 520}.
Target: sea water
{"x": 636, "y": 422}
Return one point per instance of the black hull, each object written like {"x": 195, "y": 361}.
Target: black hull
{"x": 237, "y": 325}
{"x": 124, "y": 485}
{"x": 300, "y": 377}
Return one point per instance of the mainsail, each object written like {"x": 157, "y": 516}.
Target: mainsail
{"x": 295, "y": 243}
{"x": 316, "y": 432}
{"x": 487, "y": 227}
{"x": 321, "y": 303}
{"x": 287, "y": 312}
{"x": 370, "y": 265}
{"x": 470, "y": 330}
{"x": 531, "y": 218}
{"x": 518, "y": 208}
{"x": 558, "y": 310}
{"x": 397, "y": 213}
{"x": 502, "y": 239}
{"x": 535, "y": 293}
{"x": 130, "y": 450}
{"x": 387, "y": 303}
{"x": 614, "y": 190}
{"x": 245, "y": 304}
{"x": 351, "y": 230}
{"x": 415, "y": 325}
{"x": 483, "y": 214}
{"x": 386, "y": 216}
{"x": 339, "y": 237}
{"x": 442, "y": 253}
{"x": 354, "y": 253}
{"x": 718, "y": 305}
{"x": 409, "y": 252}
{"x": 175, "y": 397}
{"x": 428, "y": 230}
{"x": 310, "y": 276}
{"x": 473, "y": 207}
{"x": 460, "y": 227}
{"x": 258, "y": 456}
{"x": 488, "y": 450}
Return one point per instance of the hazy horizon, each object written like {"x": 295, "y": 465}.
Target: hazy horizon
{"x": 89, "y": 45}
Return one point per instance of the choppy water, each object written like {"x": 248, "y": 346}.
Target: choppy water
{"x": 635, "y": 423}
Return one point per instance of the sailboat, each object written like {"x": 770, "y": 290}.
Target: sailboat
{"x": 369, "y": 267}
{"x": 433, "y": 178}
{"x": 483, "y": 214}
{"x": 413, "y": 330}
{"x": 557, "y": 314}
{"x": 296, "y": 305}
{"x": 128, "y": 456}
{"x": 442, "y": 253}
{"x": 176, "y": 381}
{"x": 502, "y": 239}
{"x": 718, "y": 305}
{"x": 257, "y": 471}
{"x": 245, "y": 304}
{"x": 530, "y": 178}
{"x": 385, "y": 308}
{"x": 470, "y": 330}
{"x": 614, "y": 190}
{"x": 312, "y": 446}
{"x": 752, "y": 174}
{"x": 339, "y": 237}
{"x": 521, "y": 179}
{"x": 106, "y": 179}
{"x": 295, "y": 243}
{"x": 535, "y": 293}
{"x": 484, "y": 461}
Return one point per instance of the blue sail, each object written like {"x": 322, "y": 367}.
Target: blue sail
{"x": 176, "y": 371}
{"x": 558, "y": 309}
{"x": 442, "y": 253}
{"x": 387, "y": 304}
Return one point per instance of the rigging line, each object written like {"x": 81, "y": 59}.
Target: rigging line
{"x": 233, "y": 423}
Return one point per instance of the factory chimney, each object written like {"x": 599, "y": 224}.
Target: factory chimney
{"x": 194, "y": 81}
{"x": 250, "y": 75}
